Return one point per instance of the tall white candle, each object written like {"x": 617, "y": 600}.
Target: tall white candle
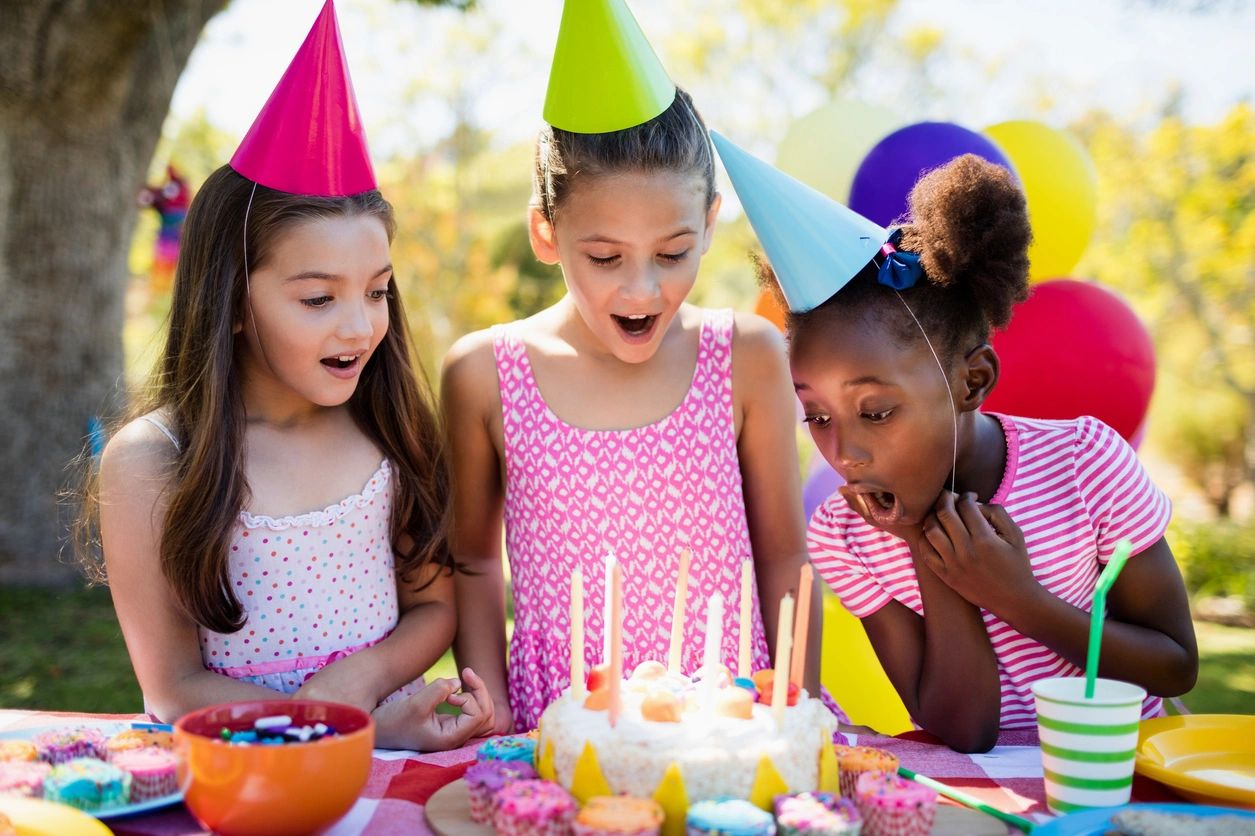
{"x": 746, "y": 625}
{"x": 784, "y": 647}
{"x": 605, "y": 610}
{"x": 577, "y": 634}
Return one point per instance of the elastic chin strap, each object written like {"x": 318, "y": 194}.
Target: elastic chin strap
{"x": 248, "y": 288}
{"x": 954, "y": 409}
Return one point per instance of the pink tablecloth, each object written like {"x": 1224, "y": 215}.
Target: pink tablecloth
{"x": 1008, "y": 777}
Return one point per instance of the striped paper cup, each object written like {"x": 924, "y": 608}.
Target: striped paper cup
{"x": 1087, "y": 746}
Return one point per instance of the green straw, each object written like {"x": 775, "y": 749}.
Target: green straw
{"x": 966, "y": 800}
{"x": 1099, "y": 610}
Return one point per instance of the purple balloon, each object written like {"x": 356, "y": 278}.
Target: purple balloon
{"x": 821, "y": 483}
{"x": 890, "y": 170}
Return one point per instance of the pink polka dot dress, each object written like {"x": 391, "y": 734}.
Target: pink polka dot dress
{"x": 314, "y": 587}
{"x": 573, "y": 494}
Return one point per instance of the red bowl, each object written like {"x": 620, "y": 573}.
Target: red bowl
{"x": 263, "y": 790}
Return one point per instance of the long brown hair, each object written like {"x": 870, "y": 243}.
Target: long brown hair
{"x": 197, "y": 386}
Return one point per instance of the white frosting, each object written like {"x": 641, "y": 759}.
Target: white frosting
{"x": 718, "y": 756}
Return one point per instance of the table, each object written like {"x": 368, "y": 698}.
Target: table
{"x": 1007, "y": 777}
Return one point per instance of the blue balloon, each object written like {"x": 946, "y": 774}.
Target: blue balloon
{"x": 891, "y": 169}
{"x": 821, "y": 483}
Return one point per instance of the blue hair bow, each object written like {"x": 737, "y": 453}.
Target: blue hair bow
{"x": 900, "y": 269}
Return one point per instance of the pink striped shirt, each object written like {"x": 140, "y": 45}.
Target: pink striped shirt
{"x": 1075, "y": 488}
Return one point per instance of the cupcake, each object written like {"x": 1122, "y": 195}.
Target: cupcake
{"x": 88, "y": 784}
{"x": 621, "y": 815}
{"x": 855, "y": 760}
{"x": 137, "y": 739}
{"x": 816, "y": 814}
{"x": 729, "y": 817}
{"x": 61, "y": 745}
{"x": 893, "y": 806}
{"x": 151, "y": 770}
{"x": 487, "y": 778}
{"x": 6, "y": 826}
{"x": 534, "y": 808}
{"x": 18, "y": 750}
{"x": 514, "y": 748}
{"x": 23, "y": 778}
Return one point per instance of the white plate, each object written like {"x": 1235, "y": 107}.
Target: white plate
{"x": 108, "y": 728}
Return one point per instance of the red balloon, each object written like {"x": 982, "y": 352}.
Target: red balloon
{"x": 1075, "y": 348}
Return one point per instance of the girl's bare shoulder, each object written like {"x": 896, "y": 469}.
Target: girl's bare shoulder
{"x": 468, "y": 375}
{"x": 139, "y": 450}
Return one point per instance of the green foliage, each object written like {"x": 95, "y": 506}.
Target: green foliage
{"x": 1177, "y": 237}
{"x": 1218, "y": 558}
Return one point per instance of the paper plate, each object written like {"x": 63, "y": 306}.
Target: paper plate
{"x": 1204, "y": 757}
{"x": 1098, "y": 822}
{"x": 36, "y": 817}
{"x": 107, "y": 728}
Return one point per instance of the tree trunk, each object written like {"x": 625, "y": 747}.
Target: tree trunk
{"x": 85, "y": 86}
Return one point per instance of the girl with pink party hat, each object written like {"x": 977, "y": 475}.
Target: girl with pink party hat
{"x": 622, "y": 419}
{"x": 273, "y": 521}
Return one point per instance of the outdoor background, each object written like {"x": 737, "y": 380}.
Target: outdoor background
{"x": 1158, "y": 92}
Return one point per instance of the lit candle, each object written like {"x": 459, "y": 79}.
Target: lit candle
{"x": 605, "y": 610}
{"x": 577, "y": 634}
{"x": 747, "y": 619}
{"x": 784, "y": 646}
{"x": 801, "y": 627}
{"x": 677, "y": 614}
{"x": 616, "y": 641}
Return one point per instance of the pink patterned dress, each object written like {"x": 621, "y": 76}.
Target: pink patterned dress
{"x": 574, "y": 494}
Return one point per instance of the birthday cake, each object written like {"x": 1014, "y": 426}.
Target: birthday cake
{"x": 681, "y": 740}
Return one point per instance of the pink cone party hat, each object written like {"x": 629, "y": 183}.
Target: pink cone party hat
{"x": 308, "y": 139}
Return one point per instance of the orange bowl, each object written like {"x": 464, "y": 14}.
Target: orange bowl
{"x": 261, "y": 790}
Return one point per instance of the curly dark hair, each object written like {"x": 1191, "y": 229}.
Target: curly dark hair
{"x": 968, "y": 221}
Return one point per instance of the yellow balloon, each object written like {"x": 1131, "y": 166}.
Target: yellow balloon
{"x": 824, "y": 148}
{"x": 853, "y": 675}
{"x": 1061, "y": 186}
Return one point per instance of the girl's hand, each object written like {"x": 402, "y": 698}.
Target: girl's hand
{"x": 978, "y": 551}
{"x": 475, "y": 703}
{"x": 414, "y": 723}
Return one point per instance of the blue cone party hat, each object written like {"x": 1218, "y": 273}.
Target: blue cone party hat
{"x": 814, "y": 244}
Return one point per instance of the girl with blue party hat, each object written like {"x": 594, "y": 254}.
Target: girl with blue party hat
{"x": 273, "y": 520}
{"x": 622, "y": 419}
{"x": 968, "y": 543}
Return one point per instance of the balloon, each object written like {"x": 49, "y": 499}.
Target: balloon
{"x": 1062, "y": 191}
{"x": 768, "y": 308}
{"x": 885, "y": 177}
{"x": 821, "y": 482}
{"x": 824, "y": 147}
{"x": 1075, "y": 348}
{"x": 854, "y": 676}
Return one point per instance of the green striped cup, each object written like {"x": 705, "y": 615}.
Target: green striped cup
{"x": 1087, "y": 746}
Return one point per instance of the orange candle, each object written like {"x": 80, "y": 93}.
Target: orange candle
{"x": 747, "y": 619}
{"x": 616, "y": 642}
{"x": 801, "y": 627}
{"x": 577, "y": 634}
{"x": 784, "y": 647}
{"x": 675, "y": 651}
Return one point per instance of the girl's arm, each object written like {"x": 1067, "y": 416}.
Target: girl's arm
{"x": 767, "y": 449}
{"x": 471, "y": 402}
{"x": 1148, "y": 637}
{"x": 162, "y": 640}
{"x": 424, "y": 631}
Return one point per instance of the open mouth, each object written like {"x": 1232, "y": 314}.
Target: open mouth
{"x": 881, "y": 507}
{"x": 342, "y": 364}
{"x": 636, "y": 326}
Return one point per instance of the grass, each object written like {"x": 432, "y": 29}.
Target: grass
{"x": 63, "y": 651}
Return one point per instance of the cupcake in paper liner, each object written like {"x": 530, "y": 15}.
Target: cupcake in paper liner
{"x": 18, "y": 750}
{"x": 61, "y": 745}
{"x": 855, "y": 760}
{"x": 618, "y": 815}
{"x": 518, "y": 747}
{"x": 893, "y": 806}
{"x": 487, "y": 778}
{"x": 88, "y": 784}
{"x": 151, "y": 770}
{"x": 23, "y": 778}
{"x": 816, "y": 814}
{"x": 534, "y": 808}
{"x": 125, "y": 741}
{"x": 729, "y": 817}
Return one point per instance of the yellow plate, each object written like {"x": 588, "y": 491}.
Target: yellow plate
{"x": 36, "y": 817}
{"x": 1204, "y": 757}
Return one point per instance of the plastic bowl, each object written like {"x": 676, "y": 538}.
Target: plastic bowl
{"x": 260, "y": 790}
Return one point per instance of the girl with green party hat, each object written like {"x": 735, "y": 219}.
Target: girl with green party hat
{"x": 622, "y": 419}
